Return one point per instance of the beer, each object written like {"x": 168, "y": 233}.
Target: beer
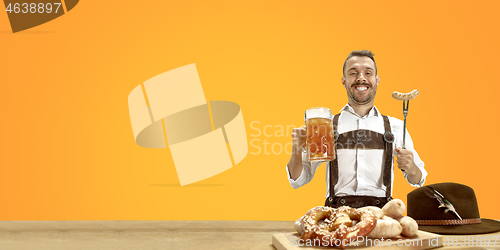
{"x": 320, "y": 144}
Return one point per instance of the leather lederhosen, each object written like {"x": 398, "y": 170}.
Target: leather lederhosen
{"x": 362, "y": 139}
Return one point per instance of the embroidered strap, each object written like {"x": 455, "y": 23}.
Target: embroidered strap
{"x": 360, "y": 139}
{"x": 448, "y": 222}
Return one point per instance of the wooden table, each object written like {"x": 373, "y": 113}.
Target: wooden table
{"x": 123, "y": 235}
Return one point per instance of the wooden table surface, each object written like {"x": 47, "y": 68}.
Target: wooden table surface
{"x": 123, "y": 235}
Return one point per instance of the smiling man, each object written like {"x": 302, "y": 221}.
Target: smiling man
{"x": 362, "y": 173}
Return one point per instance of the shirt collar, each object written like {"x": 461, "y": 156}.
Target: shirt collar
{"x": 373, "y": 111}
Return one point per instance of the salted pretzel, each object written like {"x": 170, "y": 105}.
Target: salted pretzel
{"x": 336, "y": 226}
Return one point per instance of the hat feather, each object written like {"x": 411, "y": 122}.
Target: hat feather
{"x": 443, "y": 203}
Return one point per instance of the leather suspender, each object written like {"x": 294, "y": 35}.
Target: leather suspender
{"x": 334, "y": 165}
{"x": 389, "y": 139}
{"x": 387, "y": 160}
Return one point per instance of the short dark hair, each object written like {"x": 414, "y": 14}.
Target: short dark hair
{"x": 366, "y": 53}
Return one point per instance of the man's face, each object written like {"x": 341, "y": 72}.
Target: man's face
{"x": 360, "y": 80}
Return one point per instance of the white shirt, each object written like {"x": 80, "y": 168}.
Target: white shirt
{"x": 360, "y": 170}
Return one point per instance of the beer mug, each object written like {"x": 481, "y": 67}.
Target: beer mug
{"x": 319, "y": 141}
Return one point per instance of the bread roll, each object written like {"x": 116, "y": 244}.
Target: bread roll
{"x": 410, "y": 226}
{"x": 298, "y": 225}
{"x": 386, "y": 227}
{"x": 394, "y": 208}
{"x": 375, "y": 210}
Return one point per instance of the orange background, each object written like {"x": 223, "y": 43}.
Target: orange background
{"x": 66, "y": 143}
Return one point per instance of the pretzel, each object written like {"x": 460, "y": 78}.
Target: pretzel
{"x": 405, "y": 96}
{"x": 336, "y": 226}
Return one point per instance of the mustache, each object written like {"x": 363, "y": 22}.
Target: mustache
{"x": 362, "y": 84}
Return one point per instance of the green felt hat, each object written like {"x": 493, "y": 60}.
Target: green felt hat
{"x": 431, "y": 206}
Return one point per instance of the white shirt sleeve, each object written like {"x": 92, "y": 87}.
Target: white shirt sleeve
{"x": 307, "y": 174}
{"x": 416, "y": 158}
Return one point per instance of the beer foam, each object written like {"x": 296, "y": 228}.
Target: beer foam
{"x": 318, "y": 112}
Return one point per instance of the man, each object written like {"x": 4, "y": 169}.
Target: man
{"x": 362, "y": 172}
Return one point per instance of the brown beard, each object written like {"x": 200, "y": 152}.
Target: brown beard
{"x": 351, "y": 97}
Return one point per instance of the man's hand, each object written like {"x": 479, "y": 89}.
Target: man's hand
{"x": 405, "y": 160}
{"x": 299, "y": 139}
{"x": 406, "y": 163}
{"x": 299, "y": 143}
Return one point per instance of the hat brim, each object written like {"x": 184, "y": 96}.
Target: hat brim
{"x": 486, "y": 226}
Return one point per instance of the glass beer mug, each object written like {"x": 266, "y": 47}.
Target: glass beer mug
{"x": 319, "y": 141}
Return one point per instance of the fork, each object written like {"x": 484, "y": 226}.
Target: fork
{"x": 405, "y": 112}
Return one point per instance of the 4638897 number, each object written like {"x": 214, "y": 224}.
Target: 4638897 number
{"x": 471, "y": 241}
{"x": 33, "y": 8}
